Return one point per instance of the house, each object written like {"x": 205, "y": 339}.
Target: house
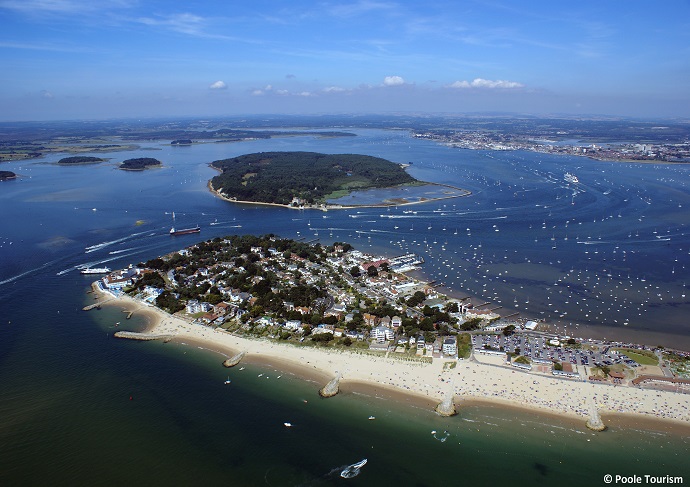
{"x": 293, "y": 325}
{"x": 382, "y": 333}
{"x": 450, "y": 346}
{"x": 420, "y": 343}
{"x": 369, "y": 319}
{"x": 396, "y": 322}
{"x": 193, "y": 307}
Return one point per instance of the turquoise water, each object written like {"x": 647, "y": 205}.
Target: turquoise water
{"x": 79, "y": 407}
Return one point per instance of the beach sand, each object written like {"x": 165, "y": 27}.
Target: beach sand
{"x": 424, "y": 384}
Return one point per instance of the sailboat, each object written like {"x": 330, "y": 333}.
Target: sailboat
{"x": 227, "y": 381}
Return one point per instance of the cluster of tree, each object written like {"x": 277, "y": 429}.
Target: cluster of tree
{"x": 139, "y": 163}
{"x": 278, "y": 177}
{"x": 181, "y": 142}
{"x": 6, "y": 175}
{"x": 80, "y": 160}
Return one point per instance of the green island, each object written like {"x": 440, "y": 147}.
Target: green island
{"x": 303, "y": 178}
{"x": 7, "y": 175}
{"x": 73, "y": 160}
{"x": 140, "y": 163}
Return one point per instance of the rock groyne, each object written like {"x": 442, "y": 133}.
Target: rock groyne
{"x": 447, "y": 406}
{"x": 594, "y": 422}
{"x": 232, "y": 361}
{"x": 132, "y": 335}
{"x": 332, "y": 388}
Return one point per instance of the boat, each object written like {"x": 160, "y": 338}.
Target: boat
{"x": 571, "y": 178}
{"x": 184, "y": 231}
{"x": 352, "y": 470}
{"x": 287, "y": 425}
{"x": 95, "y": 270}
{"x": 227, "y": 381}
{"x": 372, "y": 418}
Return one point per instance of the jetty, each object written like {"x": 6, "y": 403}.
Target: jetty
{"x": 234, "y": 360}
{"x": 132, "y": 335}
{"x": 332, "y": 388}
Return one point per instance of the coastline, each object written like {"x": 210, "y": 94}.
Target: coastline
{"x": 327, "y": 206}
{"x": 425, "y": 385}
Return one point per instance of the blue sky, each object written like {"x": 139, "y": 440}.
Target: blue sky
{"x": 66, "y": 59}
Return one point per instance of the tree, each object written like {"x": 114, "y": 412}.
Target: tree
{"x": 452, "y": 307}
{"x": 354, "y": 272}
{"x": 508, "y": 330}
{"x": 372, "y": 271}
{"x": 347, "y": 341}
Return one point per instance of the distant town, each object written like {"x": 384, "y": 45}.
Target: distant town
{"x": 338, "y": 297}
{"x": 495, "y": 140}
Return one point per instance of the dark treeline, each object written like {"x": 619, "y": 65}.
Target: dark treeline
{"x": 80, "y": 160}
{"x": 278, "y": 177}
{"x": 139, "y": 163}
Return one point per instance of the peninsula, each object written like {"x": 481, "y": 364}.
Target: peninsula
{"x": 335, "y": 312}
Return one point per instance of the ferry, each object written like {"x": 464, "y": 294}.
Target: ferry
{"x": 571, "y": 178}
{"x": 95, "y": 270}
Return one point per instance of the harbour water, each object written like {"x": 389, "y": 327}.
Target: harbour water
{"x": 607, "y": 257}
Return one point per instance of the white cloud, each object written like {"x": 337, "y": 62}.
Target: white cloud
{"x": 486, "y": 83}
{"x": 393, "y": 81}
{"x": 333, "y": 89}
{"x": 218, "y": 85}
{"x": 46, "y": 94}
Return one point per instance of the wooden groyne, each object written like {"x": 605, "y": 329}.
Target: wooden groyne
{"x": 232, "y": 361}
{"x": 132, "y": 335}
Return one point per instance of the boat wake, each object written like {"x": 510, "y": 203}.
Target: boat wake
{"x": 102, "y": 245}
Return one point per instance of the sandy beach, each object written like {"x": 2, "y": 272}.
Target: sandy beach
{"x": 427, "y": 384}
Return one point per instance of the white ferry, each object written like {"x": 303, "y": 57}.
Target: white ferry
{"x": 571, "y": 178}
{"x": 95, "y": 270}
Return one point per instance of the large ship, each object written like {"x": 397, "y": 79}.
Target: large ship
{"x": 184, "y": 231}
{"x": 571, "y": 178}
{"x": 95, "y": 270}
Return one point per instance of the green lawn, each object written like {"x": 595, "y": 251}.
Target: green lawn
{"x": 642, "y": 357}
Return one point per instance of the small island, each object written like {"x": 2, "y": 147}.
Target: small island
{"x": 140, "y": 163}
{"x": 75, "y": 160}
{"x": 181, "y": 142}
{"x": 7, "y": 175}
{"x": 297, "y": 179}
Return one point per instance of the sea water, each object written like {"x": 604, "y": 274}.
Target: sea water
{"x": 79, "y": 407}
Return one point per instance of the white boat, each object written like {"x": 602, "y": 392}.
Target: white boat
{"x": 95, "y": 270}
{"x": 352, "y": 470}
{"x": 571, "y": 178}
{"x": 287, "y": 425}
{"x": 372, "y": 418}
{"x": 227, "y": 381}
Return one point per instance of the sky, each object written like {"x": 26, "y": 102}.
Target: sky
{"x": 103, "y": 59}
